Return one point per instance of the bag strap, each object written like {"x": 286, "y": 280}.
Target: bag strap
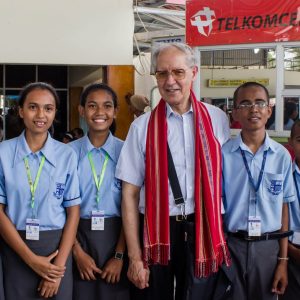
{"x": 174, "y": 182}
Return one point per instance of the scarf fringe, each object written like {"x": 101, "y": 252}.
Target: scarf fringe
{"x": 156, "y": 254}
{"x": 209, "y": 266}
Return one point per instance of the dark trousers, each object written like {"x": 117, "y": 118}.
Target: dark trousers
{"x": 254, "y": 265}
{"x": 177, "y": 280}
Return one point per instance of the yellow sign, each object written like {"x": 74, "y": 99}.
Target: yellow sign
{"x": 219, "y": 83}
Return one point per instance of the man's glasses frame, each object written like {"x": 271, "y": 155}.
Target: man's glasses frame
{"x": 177, "y": 74}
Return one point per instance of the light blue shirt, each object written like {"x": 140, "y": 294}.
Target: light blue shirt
{"x": 57, "y": 188}
{"x": 294, "y": 207}
{"x": 110, "y": 190}
{"x": 131, "y": 164}
{"x": 239, "y": 198}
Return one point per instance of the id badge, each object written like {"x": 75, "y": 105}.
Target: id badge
{"x": 296, "y": 238}
{"x": 32, "y": 229}
{"x": 254, "y": 226}
{"x": 97, "y": 220}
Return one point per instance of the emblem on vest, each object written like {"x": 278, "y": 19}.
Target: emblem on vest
{"x": 60, "y": 187}
{"x": 275, "y": 187}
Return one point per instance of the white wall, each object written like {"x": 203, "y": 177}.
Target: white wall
{"x": 66, "y": 31}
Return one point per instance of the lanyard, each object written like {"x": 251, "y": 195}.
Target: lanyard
{"x": 32, "y": 185}
{"x": 98, "y": 183}
{"x": 260, "y": 173}
{"x": 297, "y": 188}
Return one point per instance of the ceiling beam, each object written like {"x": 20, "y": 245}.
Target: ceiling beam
{"x": 158, "y": 11}
{"x": 146, "y": 36}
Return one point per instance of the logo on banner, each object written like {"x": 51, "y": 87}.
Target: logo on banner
{"x": 203, "y": 20}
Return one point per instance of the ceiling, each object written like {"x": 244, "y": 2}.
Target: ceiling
{"x": 155, "y": 19}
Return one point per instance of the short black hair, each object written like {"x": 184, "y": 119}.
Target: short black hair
{"x": 37, "y": 86}
{"x": 246, "y": 85}
{"x": 98, "y": 87}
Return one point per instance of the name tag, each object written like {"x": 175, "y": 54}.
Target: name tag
{"x": 254, "y": 226}
{"x": 97, "y": 220}
{"x": 296, "y": 238}
{"x": 32, "y": 229}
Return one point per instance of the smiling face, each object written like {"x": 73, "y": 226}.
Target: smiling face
{"x": 175, "y": 92}
{"x": 38, "y": 111}
{"x": 252, "y": 118}
{"x": 98, "y": 111}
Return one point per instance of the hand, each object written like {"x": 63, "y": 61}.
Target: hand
{"x": 112, "y": 270}
{"x": 48, "y": 289}
{"x": 137, "y": 274}
{"x": 47, "y": 270}
{"x": 280, "y": 280}
{"x": 86, "y": 265}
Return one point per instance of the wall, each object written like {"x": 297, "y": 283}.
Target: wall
{"x": 66, "y": 32}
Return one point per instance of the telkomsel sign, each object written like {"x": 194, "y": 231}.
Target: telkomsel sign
{"x": 223, "y": 22}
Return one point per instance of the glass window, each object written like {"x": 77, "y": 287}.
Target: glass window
{"x": 1, "y": 76}
{"x": 222, "y": 71}
{"x": 17, "y": 76}
{"x": 55, "y": 75}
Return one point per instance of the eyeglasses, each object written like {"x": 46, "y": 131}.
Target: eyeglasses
{"x": 177, "y": 74}
{"x": 249, "y": 105}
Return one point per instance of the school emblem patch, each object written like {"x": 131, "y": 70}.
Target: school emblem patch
{"x": 60, "y": 187}
{"x": 275, "y": 187}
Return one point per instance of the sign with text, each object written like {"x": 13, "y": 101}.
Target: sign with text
{"x": 223, "y": 22}
{"x": 217, "y": 83}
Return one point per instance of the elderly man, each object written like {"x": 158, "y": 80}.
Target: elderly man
{"x": 171, "y": 237}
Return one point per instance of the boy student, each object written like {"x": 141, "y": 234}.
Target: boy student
{"x": 293, "y": 290}
{"x": 257, "y": 186}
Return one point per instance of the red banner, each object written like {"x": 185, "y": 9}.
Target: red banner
{"x": 223, "y": 22}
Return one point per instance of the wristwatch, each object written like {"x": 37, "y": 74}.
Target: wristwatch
{"x": 119, "y": 255}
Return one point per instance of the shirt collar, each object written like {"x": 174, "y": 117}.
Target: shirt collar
{"x": 108, "y": 147}
{"x": 238, "y": 143}
{"x": 171, "y": 112}
{"x": 23, "y": 150}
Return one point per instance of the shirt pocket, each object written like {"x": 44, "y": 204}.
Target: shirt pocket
{"x": 273, "y": 186}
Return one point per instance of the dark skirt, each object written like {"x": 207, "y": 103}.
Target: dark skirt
{"x": 100, "y": 245}
{"x": 20, "y": 281}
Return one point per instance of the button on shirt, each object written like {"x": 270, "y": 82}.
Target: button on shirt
{"x": 239, "y": 198}
{"x": 131, "y": 164}
{"x": 110, "y": 189}
{"x": 57, "y": 188}
{"x": 294, "y": 207}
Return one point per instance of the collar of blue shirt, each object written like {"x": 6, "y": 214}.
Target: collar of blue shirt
{"x": 108, "y": 147}
{"x": 23, "y": 150}
{"x": 238, "y": 143}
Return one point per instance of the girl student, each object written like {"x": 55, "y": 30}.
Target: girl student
{"x": 100, "y": 244}
{"x": 39, "y": 203}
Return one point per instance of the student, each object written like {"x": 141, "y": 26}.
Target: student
{"x": 39, "y": 203}
{"x": 257, "y": 186}
{"x": 293, "y": 289}
{"x": 100, "y": 245}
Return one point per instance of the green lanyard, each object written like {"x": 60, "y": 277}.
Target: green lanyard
{"x": 98, "y": 183}
{"x": 32, "y": 185}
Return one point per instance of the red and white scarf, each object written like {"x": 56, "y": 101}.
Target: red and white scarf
{"x": 210, "y": 246}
